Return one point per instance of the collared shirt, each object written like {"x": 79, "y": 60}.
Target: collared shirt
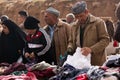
{"x": 82, "y": 29}
{"x": 51, "y": 31}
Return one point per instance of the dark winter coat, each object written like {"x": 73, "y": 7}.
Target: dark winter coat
{"x": 12, "y": 44}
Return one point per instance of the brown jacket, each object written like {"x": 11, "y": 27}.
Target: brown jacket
{"x": 95, "y": 36}
{"x": 61, "y": 37}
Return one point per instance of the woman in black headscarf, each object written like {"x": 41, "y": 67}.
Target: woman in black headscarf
{"x": 12, "y": 42}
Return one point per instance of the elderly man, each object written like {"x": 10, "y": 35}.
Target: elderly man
{"x": 89, "y": 33}
{"x": 22, "y": 15}
{"x": 58, "y": 31}
{"x": 70, "y": 18}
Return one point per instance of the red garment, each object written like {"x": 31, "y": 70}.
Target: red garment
{"x": 15, "y": 67}
{"x": 31, "y": 75}
{"x": 104, "y": 68}
{"x": 82, "y": 77}
{"x": 28, "y": 76}
{"x": 115, "y": 43}
{"x": 44, "y": 73}
{"x": 12, "y": 77}
{"x": 29, "y": 37}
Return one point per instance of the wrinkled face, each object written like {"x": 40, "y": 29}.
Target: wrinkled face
{"x": 82, "y": 17}
{"x": 30, "y": 31}
{"x": 69, "y": 19}
{"x": 49, "y": 18}
{"x": 5, "y": 29}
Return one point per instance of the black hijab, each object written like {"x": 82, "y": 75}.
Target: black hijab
{"x": 14, "y": 28}
{"x": 12, "y": 43}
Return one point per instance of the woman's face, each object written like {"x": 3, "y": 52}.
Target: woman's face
{"x": 5, "y": 29}
{"x": 30, "y": 31}
{"x": 21, "y": 19}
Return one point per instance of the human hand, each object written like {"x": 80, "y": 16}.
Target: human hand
{"x": 32, "y": 55}
{"x": 69, "y": 51}
{"x": 27, "y": 55}
{"x": 86, "y": 51}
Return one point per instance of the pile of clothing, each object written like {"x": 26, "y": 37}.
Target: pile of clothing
{"x": 109, "y": 71}
{"x": 22, "y": 71}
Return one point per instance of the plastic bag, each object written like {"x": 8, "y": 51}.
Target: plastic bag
{"x": 78, "y": 60}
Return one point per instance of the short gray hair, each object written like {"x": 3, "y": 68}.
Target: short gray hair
{"x": 53, "y": 11}
{"x": 71, "y": 15}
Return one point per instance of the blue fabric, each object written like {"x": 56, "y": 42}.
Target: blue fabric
{"x": 51, "y": 31}
{"x": 68, "y": 72}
